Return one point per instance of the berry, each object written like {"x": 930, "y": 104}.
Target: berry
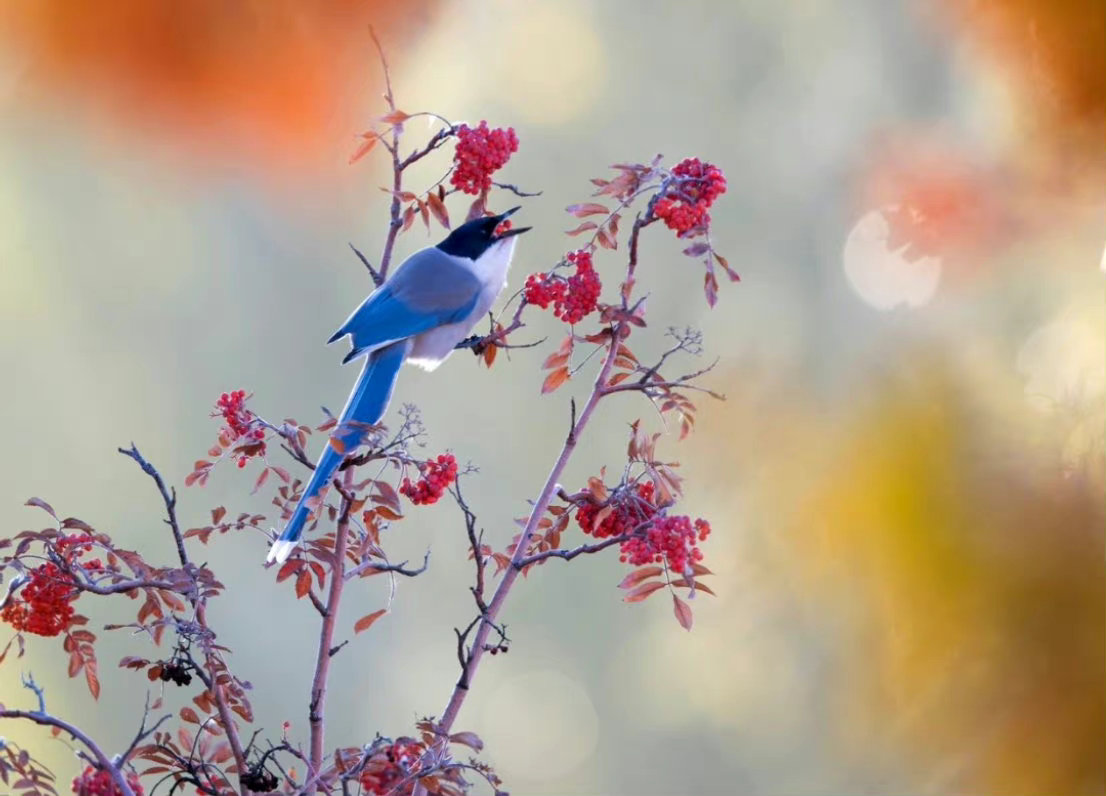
{"x": 581, "y": 295}
{"x": 480, "y": 152}
{"x": 240, "y": 421}
{"x": 673, "y": 540}
{"x": 684, "y": 206}
{"x": 390, "y": 766}
{"x": 628, "y": 513}
{"x": 502, "y": 227}
{"x": 98, "y": 782}
{"x": 544, "y": 289}
{"x": 437, "y": 475}
{"x": 44, "y": 606}
{"x": 574, "y": 297}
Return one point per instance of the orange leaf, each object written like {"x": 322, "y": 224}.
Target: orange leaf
{"x": 188, "y": 714}
{"x": 437, "y": 207}
{"x": 365, "y": 622}
{"x": 585, "y": 227}
{"x": 586, "y": 209}
{"x": 554, "y": 380}
{"x": 218, "y": 514}
{"x": 638, "y": 575}
{"x": 303, "y": 583}
{"x": 395, "y": 117}
{"x": 683, "y": 612}
{"x": 288, "y": 568}
{"x": 364, "y": 148}
{"x": 489, "y": 354}
{"x": 643, "y": 591}
{"x": 92, "y": 680}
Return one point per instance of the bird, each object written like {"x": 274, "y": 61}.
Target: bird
{"x": 418, "y": 315}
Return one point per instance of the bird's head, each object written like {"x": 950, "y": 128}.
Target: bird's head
{"x": 475, "y": 238}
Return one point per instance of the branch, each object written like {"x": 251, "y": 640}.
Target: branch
{"x": 570, "y": 554}
{"x": 41, "y": 717}
{"x": 397, "y": 169}
{"x": 317, "y": 705}
{"x": 377, "y": 278}
{"x": 399, "y": 569}
{"x": 168, "y": 495}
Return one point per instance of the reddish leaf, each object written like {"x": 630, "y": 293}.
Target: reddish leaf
{"x": 606, "y": 241}
{"x": 217, "y": 514}
{"x": 710, "y": 288}
{"x": 697, "y": 249}
{"x": 683, "y": 612}
{"x": 469, "y": 739}
{"x": 303, "y": 583}
{"x": 587, "y": 209}
{"x": 489, "y": 354}
{"x": 585, "y": 227}
{"x": 408, "y": 217}
{"x": 365, "y": 147}
{"x": 188, "y": 714}
{"x": 290, "y": 566}
{"x": 395, "y": 117}
{"x": 638, "y": 575}
{"x": 438, "y": 208}
{"x": 365, "y": 622}
{"x": 732, "y": 274}
{"x": 92, "y": 680}
{"x": 554, "y": 380}
{"x": 643, "y": 591}
{"x": 42, "y": 504}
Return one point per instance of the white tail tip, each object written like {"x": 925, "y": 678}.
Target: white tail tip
{"x": 280, "y": 551}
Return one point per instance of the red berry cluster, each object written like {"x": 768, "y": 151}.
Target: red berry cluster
{"x": 671, "y": 539}
{"x": 239, "y": 419}
{"x": 627, "y": 514}
{"x": 437, "y": 475}
{"x": 480, "y": 153}
{"x": 98, "y": 782}
{"x": 574, "y": 297}
{"x": 386, "y": 769}
{"x": 44, "y": 606}
{"x": 684, "y": 206}
{"x": 503, "y": 226}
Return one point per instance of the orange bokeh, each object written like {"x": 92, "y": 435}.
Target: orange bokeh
{"x": 261, "y": 81}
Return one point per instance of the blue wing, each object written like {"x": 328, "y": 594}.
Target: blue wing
{"x": 431, "y": 288}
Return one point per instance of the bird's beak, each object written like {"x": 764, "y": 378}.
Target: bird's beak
{"x": 511, "y": 232}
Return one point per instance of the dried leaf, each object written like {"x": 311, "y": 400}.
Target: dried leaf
{"x": 217, "y": 514}
{"x": 587, "y": 226}
{"x": 188, "y": 714}
{"x": 722, "y": 261}
{"x": 438, "y": 208}
{"x": 606, "y": 241}
{"x": 554, "y": 380}
{"x": 365, "y": 622}
{"x": 586, "y": 209}
{"x": 303, "y": 583}
{"x": 643, "y": 591}
{"x": 395, "y": 117}
{"x": 469, "y": 739}
{"x": 409, "y": 217}
{"x": 683, "y": 612}
{"x": 91, "y": 679}
{"x": 638, "y": 575}
{"x": 290, "y": 566}
{"x": 42, "y": 504}
{"x": 490, "y": 352}
{"x": 697, "y": 249}
{"x": 369, "y": 140}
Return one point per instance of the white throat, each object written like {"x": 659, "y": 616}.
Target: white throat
{"x": 491, "y": 268}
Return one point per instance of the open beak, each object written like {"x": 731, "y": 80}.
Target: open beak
{"x": 516, "y": 230}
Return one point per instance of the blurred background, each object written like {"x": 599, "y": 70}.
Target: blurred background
{"x": 906, "y": 481}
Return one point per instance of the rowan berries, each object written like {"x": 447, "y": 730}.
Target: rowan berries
{"x": 437, "y": 475}
{"x": 684, "y": 206}
{"x": 673, "y": 540}
{"x": 627, "y": 514}
{"x": 44, "y": 605}
{"x": 574, "y": 297}
{"x": 99, "y": 782}
{"x": 240, "y": 421}
{"x": 387, "y": 768}
{"x": 480, "y": 152}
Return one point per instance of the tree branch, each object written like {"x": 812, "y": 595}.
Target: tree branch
{"x": 168, "y": 495}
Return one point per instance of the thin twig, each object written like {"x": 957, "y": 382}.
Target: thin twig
{"x": 168, "y": 495}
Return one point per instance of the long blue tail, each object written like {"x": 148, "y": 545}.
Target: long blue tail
{"x": 365, "y": 407}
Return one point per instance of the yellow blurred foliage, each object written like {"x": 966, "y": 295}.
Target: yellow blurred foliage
{"x": 971, "y": 559}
